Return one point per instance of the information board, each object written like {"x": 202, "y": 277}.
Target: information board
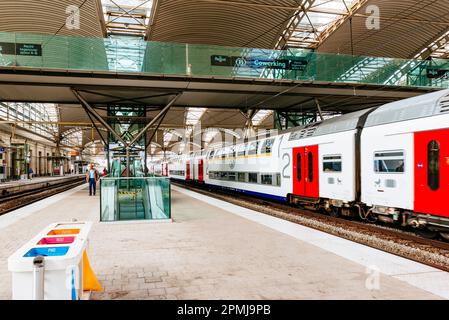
{"x": 21, "y": 49}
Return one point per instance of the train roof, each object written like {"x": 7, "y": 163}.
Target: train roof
{"x": 426, "y": 105}
{"x": 341, "y": 123}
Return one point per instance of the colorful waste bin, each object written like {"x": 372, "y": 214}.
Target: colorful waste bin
{"x": 65, "y": 271}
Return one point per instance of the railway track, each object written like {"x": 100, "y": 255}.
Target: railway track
{"x": 392, "y": 240}
{"x": 18, "y": 200}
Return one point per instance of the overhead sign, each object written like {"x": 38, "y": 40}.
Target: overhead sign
{"x": 7, "y": 48}
{"x": 293, "y": 63}
{"x": 435, "y": 73}
{"x": 21, "y": 49}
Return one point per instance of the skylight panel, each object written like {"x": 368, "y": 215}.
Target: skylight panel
{"x": 261, "y": 116}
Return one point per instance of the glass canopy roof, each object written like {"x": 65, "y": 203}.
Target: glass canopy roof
{"x": 39, "y": 118}
{"x": 320, "y": 16}
{"x": 127, "y": 17}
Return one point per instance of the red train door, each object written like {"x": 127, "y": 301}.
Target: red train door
{"x": 305, "y": 171}
{"x": 188, "y": 170}
{"x": 432, "y": 172}
{"x": 201, "y": 170}
{"x": 298, "y": 171}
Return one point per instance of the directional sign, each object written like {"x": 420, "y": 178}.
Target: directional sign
{"x": 21, "y": 49}
{"x": 435, "y": 73}
{"x": 222, "y": 61}
{"x": 7, "y": 48}
{"x": 290, "y": 63}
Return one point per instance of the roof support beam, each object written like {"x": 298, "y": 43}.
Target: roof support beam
{"x": 88, "y": 109}
{"x": 128, "y": 13}
{"x": 304, "y": 6}
{"x": 155, "y": 130}
{"x": 434, "y": 46}
{"x": 96, "y": 128}
{"x": 156, "y": 118}
{"x": 153, "y": 16}
{"x": 338, "y": 23}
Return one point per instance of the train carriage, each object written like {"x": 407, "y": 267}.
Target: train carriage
{"x": 389, "y": 163}
{"x": 177, "y": 167}
{"x": 405, "y": 164}
{"x": 323, "y": 157}
{"x": 253, "y": 168}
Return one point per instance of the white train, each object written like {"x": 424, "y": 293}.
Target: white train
{"x": 389, "y": 163}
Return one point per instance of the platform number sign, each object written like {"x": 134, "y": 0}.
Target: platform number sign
{"x": 287, "y": 160}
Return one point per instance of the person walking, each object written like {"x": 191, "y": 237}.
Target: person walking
{"x": 92, "y": 177}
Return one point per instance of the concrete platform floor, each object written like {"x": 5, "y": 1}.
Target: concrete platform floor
{"x": 207, "y": 253}
{"x": 16, "y": 183}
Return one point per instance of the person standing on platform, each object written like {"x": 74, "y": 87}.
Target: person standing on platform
{"x": 105, "y": 172}
{"x": 92, "y": 177}
{"x": 30, "y": 173}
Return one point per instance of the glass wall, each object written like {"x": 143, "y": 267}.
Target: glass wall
{"x": 121, "y": 54}
{"x": 135, "y": 199}
{"x": 36, "y": 117}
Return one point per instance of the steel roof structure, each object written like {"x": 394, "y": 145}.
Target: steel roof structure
{"x": 408, "y": 29}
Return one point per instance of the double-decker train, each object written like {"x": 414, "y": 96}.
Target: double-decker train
{"x": 389, "y": 163}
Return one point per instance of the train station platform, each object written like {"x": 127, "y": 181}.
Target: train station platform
{"x": 216, "y": 250}
{"x": 36, "y": 180}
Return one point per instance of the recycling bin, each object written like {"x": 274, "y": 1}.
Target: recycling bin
{"x": 62, "y": 247}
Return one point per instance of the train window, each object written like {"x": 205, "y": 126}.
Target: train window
{"x": 231, "y": 176}
{"x": 433, "y": 165}
{"x": 232, "y": 153}
{"x": 177, "y": 172}
{"x": 267, "y": 146}
{"x": 332, "y": 163}
{"x": 252, "y": 177}
{"x": 252, "y": 148}
{"x": 310, "y": 165}
{"x": 278, "y": 179}
{"x": 299, "y": 167}
{"x": 389, "y": 162}
{"x": 241, "y": 150}
{"x": 266, "y": 179}
{"x": 242, "y": 177}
